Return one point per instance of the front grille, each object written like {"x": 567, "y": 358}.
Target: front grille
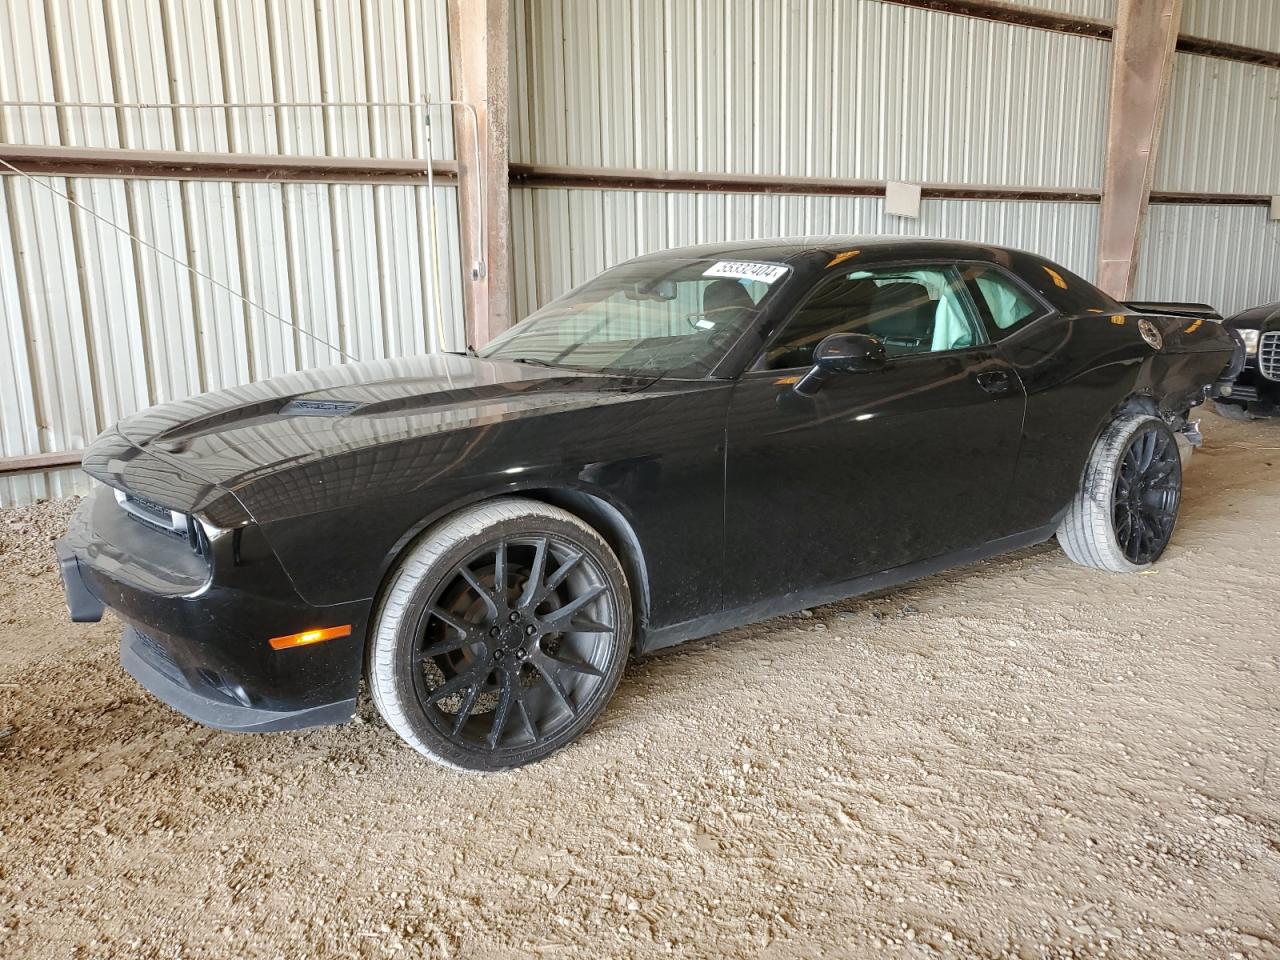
{"x": 161, "y": 518}
{"x": 1269, "y": 355}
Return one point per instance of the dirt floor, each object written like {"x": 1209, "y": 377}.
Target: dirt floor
{"x": 1021, "y": 758}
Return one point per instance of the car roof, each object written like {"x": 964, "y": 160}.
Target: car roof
{"x": 787, "y": 249}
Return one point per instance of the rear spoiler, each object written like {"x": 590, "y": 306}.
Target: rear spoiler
{"x": 1201, "y": 311}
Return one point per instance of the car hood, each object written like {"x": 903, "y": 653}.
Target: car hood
{"x": 229, "y": 437}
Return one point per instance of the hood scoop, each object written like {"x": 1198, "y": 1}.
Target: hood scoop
{"x": 318, "y": 408}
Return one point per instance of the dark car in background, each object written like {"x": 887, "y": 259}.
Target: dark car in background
{"x": 1255, "y": 388}
{"x": 694, "y": 440}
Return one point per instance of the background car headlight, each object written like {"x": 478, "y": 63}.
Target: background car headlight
{"x": 1250, "y": 338}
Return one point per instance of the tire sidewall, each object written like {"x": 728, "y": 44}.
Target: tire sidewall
{"x": 1104, "y": 493}
{"x": 447, "y": 547}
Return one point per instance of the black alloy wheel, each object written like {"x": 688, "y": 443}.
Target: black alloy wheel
{"x": 1147, "y": 490}
{"x": 509, "y": 643}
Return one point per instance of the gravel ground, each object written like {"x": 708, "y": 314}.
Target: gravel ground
{"x": 1021, "y": 758}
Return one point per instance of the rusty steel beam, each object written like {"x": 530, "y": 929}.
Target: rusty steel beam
{"x": 180, "y": 165}
{"x": 1142, "y": 68}
{"x": 1016, "y": 14}
{"x": 999, "y": 12}
{"x": 602, "y": 178}
{"x": 40, "y": 461}
{"x": 478, "y": 49}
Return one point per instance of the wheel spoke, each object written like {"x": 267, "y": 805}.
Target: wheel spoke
{"x": 561, "y": 614}
{"x": 536, "y": 572}
{"x": 448, "y": 645}
{"x": 523, "y": 709}
{"x": 506, "y": 695}
{"x": 552, "y": 679}
{"x": 562, "y": 571}
{"x": 569, "y": 661}
{"x": 453, "y": 685}
{"x": 500, "y": 570}
{"x": 584, "y": 624}
{"x": 450, "y": 619}
{"x": 464, "y": 711}
{"x": 481, "y": 590}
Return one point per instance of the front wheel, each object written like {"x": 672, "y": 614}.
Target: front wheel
{"x": 501, "y": 635}
{"x": 1123, "y": 516}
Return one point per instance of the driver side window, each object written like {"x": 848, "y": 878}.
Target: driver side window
{"x": 910, "y": 310}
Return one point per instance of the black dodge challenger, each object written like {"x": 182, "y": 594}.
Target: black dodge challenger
{"x": 692, "y": 440}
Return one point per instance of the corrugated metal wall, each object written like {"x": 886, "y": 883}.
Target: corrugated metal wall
{"x": 1249, "y": 23}
{"x": 564, "y": 237}
{"x": 851, "y": 89}
{"x": 825, "y": 88}
{"x": 1227, "y": 256}
{"x": 96, "y": 326}
{"x": 1222, "y": 128}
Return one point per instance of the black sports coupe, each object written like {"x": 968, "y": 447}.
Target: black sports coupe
{"x": 693, "y": 440}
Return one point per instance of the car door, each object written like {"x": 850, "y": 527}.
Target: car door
{"x": 876, "y": 469}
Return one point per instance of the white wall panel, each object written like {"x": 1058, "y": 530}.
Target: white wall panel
{"x": 1227, "y": 256}
{"x": 1222, "y": 127}
{"x": 1249, "y": 23}
{"x": 227, "y": 51}
{"x": 567, "y": 236}
{"x": 825, "y": 88}
{"x": 96, "y": 327}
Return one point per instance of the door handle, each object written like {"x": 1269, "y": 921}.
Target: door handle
{"x": 995, "y": 382}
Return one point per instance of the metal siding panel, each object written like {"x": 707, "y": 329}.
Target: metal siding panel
{"x": 1222, "y": 128}
{"x": 567, "y": 236}
{"x": 18, "y": 412}
{"x": 824, "y": 88}
{"x": 1223, "y": 255}
{"x": 1250, "y": 23}
{"x": 61, "y": 364}
{"x": 95, "y": 325}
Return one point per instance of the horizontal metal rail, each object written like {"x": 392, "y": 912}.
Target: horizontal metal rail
{"x": 1079, "y": 26}
{"x": 675, "y": 181}
{"x": 179, "y": 165}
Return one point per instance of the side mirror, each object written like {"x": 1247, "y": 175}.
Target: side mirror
{"x": 841, "y": 353}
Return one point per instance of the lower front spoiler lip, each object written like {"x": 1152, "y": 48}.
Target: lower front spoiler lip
{"x": 82, "y": 603}
{"x": 212, "y": 710}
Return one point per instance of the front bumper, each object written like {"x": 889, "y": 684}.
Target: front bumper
{"x": 211, "y": 702}
{"x": 197, "y": 627}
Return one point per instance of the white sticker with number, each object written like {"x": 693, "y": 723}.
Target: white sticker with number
{"x": 745, "y": 270}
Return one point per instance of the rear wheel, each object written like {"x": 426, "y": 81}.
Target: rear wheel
{"x": 501, "y": 636}
{"x": 1123, "y": 515}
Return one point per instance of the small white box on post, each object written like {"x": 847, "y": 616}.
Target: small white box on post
{"x": 902, "y": 199}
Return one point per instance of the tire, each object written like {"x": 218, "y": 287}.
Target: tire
{"x": 1232, "y": 411}
{"x": 1123, "y": 516}
{"x": 480, "y": 677}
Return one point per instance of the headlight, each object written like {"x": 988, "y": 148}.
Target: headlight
{"x": 1250, "y": 338}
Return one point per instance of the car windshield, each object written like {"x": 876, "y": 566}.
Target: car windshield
{"x": 667, "y": 316}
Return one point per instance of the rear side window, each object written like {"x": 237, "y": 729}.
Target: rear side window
{"x": 1005, "y": 304}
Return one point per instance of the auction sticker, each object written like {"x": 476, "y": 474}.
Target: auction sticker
{"x": 745, "y": 270}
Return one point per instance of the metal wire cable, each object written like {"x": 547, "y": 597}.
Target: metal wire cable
{"x": 186, "y": 266}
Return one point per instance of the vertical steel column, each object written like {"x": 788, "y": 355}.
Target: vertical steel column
{"x": 1145, "y": 36}
{"x": 478, "y": 42}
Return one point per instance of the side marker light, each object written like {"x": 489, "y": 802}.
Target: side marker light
{"x": 308, "y": 637}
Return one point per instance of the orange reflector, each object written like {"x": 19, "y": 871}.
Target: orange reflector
{"x": 310, "y": 636}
